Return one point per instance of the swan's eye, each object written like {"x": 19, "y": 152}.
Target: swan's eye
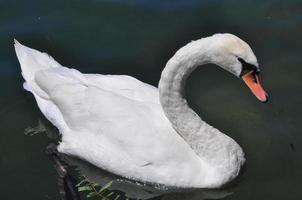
{"x": 247, "y": 67}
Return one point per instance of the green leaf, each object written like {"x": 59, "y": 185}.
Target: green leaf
{"x": 81, "y": 182}
{"x": 84, "y": 188}
{"x": 107, "y": 185}
{"x": 95, "y": 185}
{"x": 117, "y": 197}
{"x": 91, "y": 194}
{"x": 108, "y": 195}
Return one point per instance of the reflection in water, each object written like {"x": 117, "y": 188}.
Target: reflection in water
{"x": 132, "y": 189}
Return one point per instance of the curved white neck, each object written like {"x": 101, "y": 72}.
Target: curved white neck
{"x": 197, "y": 133}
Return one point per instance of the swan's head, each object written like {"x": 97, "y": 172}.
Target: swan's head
{"x": 237, "y": 57}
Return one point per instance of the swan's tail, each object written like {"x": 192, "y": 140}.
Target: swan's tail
{"x": 32, "y": 61}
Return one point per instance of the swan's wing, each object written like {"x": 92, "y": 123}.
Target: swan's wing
{"x": 126, "y": 86}
{"x": 127, "y": 137}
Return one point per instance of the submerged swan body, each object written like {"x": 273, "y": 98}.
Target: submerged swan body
{"x": 135, "y": 130}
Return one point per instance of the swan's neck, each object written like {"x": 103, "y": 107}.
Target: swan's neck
{"x": 198, "y": 134}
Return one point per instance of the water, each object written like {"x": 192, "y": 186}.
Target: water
{"x": 137, "y": 38}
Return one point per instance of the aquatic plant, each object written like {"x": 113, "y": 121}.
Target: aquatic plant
{"x": 97, "y": 191}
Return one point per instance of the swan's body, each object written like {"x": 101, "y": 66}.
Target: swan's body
{"x": 132, "y": 129}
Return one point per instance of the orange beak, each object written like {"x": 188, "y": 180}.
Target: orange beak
{"x": 251, "y": 79}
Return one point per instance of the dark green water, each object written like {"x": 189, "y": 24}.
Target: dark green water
{"x": 137, "y": 38}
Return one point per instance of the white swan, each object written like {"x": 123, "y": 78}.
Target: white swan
{"x": 135, "y": 130}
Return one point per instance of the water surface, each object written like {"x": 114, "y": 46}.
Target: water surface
{"x": 137, "y": 38}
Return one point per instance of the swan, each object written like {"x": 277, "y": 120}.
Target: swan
{"x": 136, "y": 130}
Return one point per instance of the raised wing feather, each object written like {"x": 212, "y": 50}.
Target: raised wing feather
{"x": 126, "y": 86}
{"x": 109, "y": 130}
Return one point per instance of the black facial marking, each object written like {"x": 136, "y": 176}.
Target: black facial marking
{"x": 247, "y": 67}
{"x": 254, "y": 78}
